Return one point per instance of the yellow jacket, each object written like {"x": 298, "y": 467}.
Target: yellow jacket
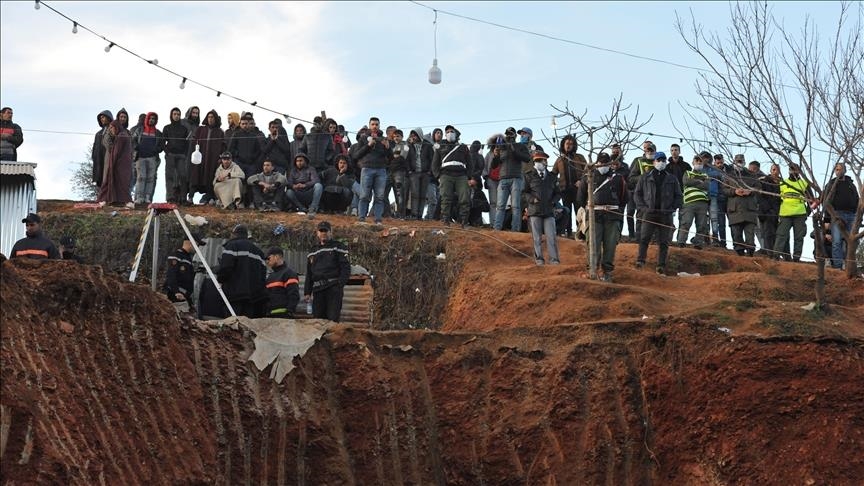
{"x": 793, "y": 199}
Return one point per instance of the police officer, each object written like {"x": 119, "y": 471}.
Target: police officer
{"x": 180, "y": 276}
{"x": 327, "y": 272}
{"x": 283, "y": 289}
{"x": 35, "y": 245}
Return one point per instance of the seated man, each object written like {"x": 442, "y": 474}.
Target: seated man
{"x": 304, "y": 188}
{"x": 340, "y": 186}
{"x": 268, "y": 188}
{"x": 228, "y": 183}
{"x": 283, "y": 286}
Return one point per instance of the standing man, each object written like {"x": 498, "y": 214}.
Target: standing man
{"x": 541, "y": 191}
{"x": 283, "y": 286}
{"x": 610, "y": 197}
{"x": 741, "y": 208}
{"x": 35, "y": 245}
{"x": 97, "y": 153}
{"x": 11, "y": 136}
{"x": 695, "y": 207}
{"x": 638, "y": 168}
{"x": 180, "y": 276}
{"x": 327, "y": 272}
{"x": 176, "y": 165}
{"x": 769, "y": 209}
{"x": 419, "y": 168}
{"x": 451, "y": 165}
{"x": 242, "y": 272}
{"x": 509, "y": 156}
{"x": 277, "y": 148}
{"x": 374, "y": 156}
{"x": 147, "y": 144}
{"x": 570, "y": 167}
{"x": 717, "y": 176}
{"x": 844, "y": 199}
{"x": 794, "y": 197}
{"x": 657, "y": 196}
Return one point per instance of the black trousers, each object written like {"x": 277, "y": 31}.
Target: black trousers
{"x": 327, "y": 303}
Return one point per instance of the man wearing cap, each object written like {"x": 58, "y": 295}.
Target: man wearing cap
{"x": 541, "y": 191}
{"x": 283, "y": 289}
{"x": 327, "y": 272}
{"x": 510, "y": 156}
{"x": 228, "y": 183}
{"x": 526, "y": 138}
{"x": 180, "y": 275}
{"x": 242, "y": 272}
{"x": 451, "y": 164}
{"x": 67, "y": 249}
{"x": 35, "y": 245}
{"x": 657, "y": 196}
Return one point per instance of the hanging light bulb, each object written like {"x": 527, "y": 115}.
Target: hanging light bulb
{"x": 183, "y": 84}
{"x": 554, "y": 124}
{"x": 435, "y": 71}
{"x": 108, "y": 47}
{"x": 287, "y": 119}
{"x": 154, "y": 62}
{"x": 218, "y": 94}
{"x": 74, "y": 27}
{"x": 37, "y": 6}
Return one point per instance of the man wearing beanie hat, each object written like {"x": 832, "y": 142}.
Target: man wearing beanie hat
{"x": 451, "y": 164}
{"x": 327, "y": 272}
{"x": 35, "y": 244}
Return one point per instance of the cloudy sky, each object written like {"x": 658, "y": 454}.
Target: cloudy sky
{"x": 352, "y": 59}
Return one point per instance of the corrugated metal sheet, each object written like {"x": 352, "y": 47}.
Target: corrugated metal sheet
{"x": 18, "y": 168}
{"x": 17, "y": 198}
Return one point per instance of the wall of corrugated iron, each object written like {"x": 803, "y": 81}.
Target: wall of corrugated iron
{"x": 17, "y": 198}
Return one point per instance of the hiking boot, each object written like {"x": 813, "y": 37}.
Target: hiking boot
{"x": 640, "y": 265}
{"x": 682, "y": 245}
{"x": 661, "y": 270}
{"x": 607, "y": 277}
{"x": 540, "y": 263}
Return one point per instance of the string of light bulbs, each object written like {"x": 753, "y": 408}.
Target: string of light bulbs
{"x": 434, "y": 74}
{"x": 76, "y": 25}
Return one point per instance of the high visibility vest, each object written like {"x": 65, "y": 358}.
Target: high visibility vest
{"x": 792, "y": 199}
{"x": 645, "y": 165}
{"x": 694, "y": 194}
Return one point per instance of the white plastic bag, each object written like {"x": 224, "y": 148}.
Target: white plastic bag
{"x": 196, "y": 155}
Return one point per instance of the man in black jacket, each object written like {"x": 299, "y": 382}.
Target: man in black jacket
{"x": 242, "y": 272}
{"x": 657, "y": 196}
{"x": 419, "y": 172}
{"x": 35, "y": 245}
{"x": 610, "y": 198}
{"x": 180, "y": 276}
{"x": 283, "y": 286}
{"x": 510, "y": 156}
{"x": 277, "y": 148}
{"x": 327, "y": 272}
{"x": 843, "y": 198}
{"x": 542, "y": 192}
{"x": 176, "y": 165}
{"x": 451, "y": 164}
{"x": 374, "y": 156}
{"x": 339, "y": 186}
{"x": 318, "y": 146}
{"x": 11, "y": 136}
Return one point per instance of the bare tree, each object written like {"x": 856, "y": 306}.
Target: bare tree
{"x": 762, "y": 88}
{"x": 615, "y": 126}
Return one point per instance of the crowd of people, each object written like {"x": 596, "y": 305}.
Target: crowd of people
{"x": 436, "y": 176}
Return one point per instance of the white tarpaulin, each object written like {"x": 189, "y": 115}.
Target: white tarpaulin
{"x": 277, "y": 341}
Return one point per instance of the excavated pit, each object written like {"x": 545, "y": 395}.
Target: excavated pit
{"x": 103, "y": 384}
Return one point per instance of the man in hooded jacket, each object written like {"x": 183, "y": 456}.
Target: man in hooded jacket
{"x": 569, "y": 167}
{"x": 97, "y": 154}
{"x": 419, "y": 169}
{"x": 148, "y": 143}
{"x": 176, "y": 165}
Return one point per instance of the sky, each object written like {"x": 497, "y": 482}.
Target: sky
{"x": 352, "y": 59}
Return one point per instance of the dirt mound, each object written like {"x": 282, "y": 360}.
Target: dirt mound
{"x": 541, "y": 376}
{"x": 95, "y": 387}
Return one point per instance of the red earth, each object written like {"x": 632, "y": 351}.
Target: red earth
{"x": 538, "y": 376}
